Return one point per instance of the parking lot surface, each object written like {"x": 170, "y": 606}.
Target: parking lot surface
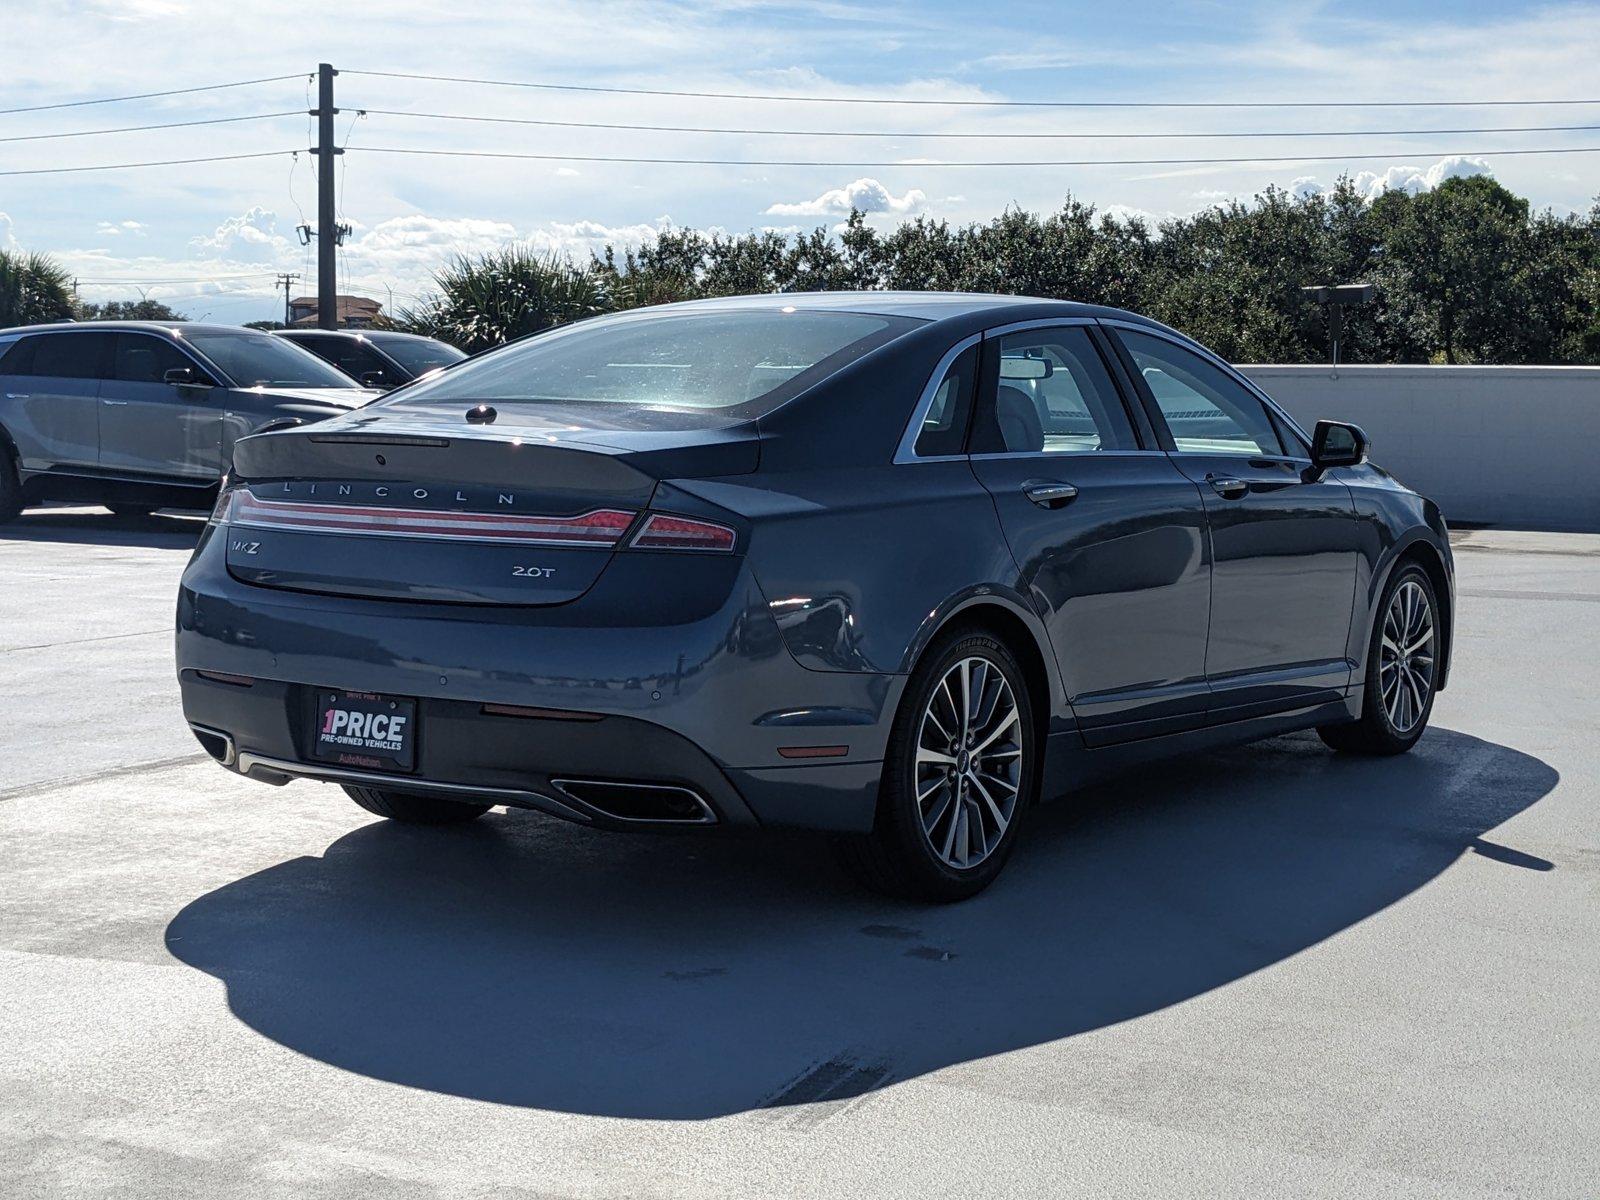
{"x": 1267, "y": 971}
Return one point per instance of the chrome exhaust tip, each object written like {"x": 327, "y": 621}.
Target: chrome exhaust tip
{"x": 639, "y": 803}
{"x": 215, "y": 743}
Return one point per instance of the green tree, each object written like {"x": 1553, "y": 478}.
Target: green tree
{"x": 129, "y": 310}
{"x": 33, "y": 289}
{"x": 506, "y": 294}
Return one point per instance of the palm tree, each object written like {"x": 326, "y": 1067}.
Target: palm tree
{"x": 503, "y": 295}
{"x": 33, "y": 289}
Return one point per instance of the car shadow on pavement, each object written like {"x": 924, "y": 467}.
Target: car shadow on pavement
{"x": 527, "y": 962}
{"x": 96, "y": 527}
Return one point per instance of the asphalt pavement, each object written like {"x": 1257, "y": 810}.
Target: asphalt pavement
{"x": 1268, "y": 971}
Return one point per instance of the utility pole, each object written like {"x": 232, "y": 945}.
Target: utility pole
{"x": 327, "y": 219}
{"x": 286, "y": 281}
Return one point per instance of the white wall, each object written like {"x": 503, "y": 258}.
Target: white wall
{"x": 1515, "y": 446}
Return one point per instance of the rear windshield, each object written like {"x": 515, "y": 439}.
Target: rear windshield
{"x": 734, "y": 364}
{"x": 415, "y": 354}
{"x": 259, "y": 360}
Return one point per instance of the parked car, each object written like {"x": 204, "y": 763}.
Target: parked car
{"x": 376, "y": 358}
{"x": 893, "y": 566}
{"x": 139, "y": 415}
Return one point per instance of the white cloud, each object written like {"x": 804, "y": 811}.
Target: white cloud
{"x": 253, "y": 234}
{"x": 1408, "y": 179}
{"x": 868, "y": 195}
{"x": 8, "y": 237}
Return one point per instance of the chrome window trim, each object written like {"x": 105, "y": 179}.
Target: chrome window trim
{"x": 1041, "y": 323}
{"x": 906, "y": 452}
{"x": 1187, "y": 343}
{"x": 1059, "y": 455}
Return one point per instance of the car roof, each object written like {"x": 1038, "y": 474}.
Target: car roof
{"x": 141, "y": 326}
{"x": 926, "y": 306}
{"x": 357, "y": 334}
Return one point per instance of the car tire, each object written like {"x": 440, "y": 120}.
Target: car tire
{"x": 413, "y": 809}
{"x": 948, "y": 819}
{"x": 1402, "y": 656}
{"x": 10, "y": 486}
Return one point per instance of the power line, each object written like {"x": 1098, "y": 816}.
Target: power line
{"x": 924, "y": 164}
{"x": 164, "y": 162}
{"x": 46, "y": 137}
{"x": 210, "y": 87}
{"x": 881, "y": 133}
{"x": 627, "y": 91}
{"x": 164, "y": 281}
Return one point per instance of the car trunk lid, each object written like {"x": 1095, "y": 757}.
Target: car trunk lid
{"x": 420, "y": 506}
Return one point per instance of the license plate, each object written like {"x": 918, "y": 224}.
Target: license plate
{"x": 362, "y": 729}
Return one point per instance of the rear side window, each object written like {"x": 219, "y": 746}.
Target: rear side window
{"x": 68, "y": 355}
{"x": 349, "y": 355}
{"x": 1207, "y": 411}
{"x": 16, "y": 356}
{"x": 944, "y": 429}
{"x": 145, "y": 358}
{"x": 1053, "y": 395}
{"x": 732, "y": 364}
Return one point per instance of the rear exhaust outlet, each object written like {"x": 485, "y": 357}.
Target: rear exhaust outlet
{"x": 640, "y": 803}
{"x": 216, "y": 743}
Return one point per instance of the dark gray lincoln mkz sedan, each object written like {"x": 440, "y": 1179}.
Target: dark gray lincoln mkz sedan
{"x": 895, "y": 566}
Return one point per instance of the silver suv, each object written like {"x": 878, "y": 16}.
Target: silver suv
{"x": 139, "y": 415}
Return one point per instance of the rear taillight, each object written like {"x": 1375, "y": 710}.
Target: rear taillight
{"x": 222, "y": 510}
{"x": 663, "y": 532}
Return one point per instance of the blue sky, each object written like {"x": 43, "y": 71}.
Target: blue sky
{"x": 207, "y": 237}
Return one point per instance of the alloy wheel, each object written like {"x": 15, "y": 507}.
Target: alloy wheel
{"x": 969, "y": 763}
{"x": 1406, "y": 656}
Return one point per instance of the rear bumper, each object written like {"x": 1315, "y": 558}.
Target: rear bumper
{"x": 701, "y": 697}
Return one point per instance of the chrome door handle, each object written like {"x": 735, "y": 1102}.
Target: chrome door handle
{"x": 103, "y": 400}
{"x": 19, "y": 395}
{"x": 1050, "y": 495}
{"x": 1227, "y": 487}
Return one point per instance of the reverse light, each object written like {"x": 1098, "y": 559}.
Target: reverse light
{"x": 663, "y": 532}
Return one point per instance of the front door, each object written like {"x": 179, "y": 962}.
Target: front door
{"x": 1109, "y": 535}
{"x": 1284, "y": 549}
{"x": 149, "y": 427}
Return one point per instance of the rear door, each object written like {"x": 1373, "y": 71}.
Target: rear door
{"x": 1284, "y": 549}
{"x": 151, "y": 427}
{"x": 51, "y": 391}
{"x": 1109, "y": 535}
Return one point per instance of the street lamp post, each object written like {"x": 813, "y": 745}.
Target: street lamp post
{"x": 1334, "y": 299}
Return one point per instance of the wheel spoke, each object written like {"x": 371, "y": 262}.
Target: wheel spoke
{"x": 927, "y": 757}
{"x": 1007, "y": 723}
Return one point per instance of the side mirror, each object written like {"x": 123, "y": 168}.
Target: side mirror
{"x": 185, "y": 377}
{"x": 374, "y": 379}
{"x": 1337, "y": 444}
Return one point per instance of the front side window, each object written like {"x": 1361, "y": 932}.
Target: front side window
{"x": 1053, "y": 395}
{"x": 353, "y": 357}
{"x": 145, "y": 358}
{"x": 944, "y": 429}
{"x": 732, "y": 364}
{"x": 1207, "y": 411}
{"x": 260, "y": 360}
{"x": 415, "y": 354}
